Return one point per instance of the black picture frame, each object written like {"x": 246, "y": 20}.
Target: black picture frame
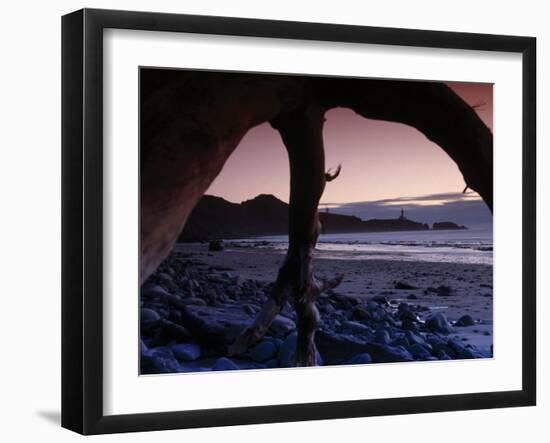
{"x": 82, "y": 218}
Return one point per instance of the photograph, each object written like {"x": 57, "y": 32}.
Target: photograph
{"x": 292, "y": 220}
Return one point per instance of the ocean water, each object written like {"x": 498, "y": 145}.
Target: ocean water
{"x": 471, "y": 246}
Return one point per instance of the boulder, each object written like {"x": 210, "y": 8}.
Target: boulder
{"x": 153, "y": 291}
{"x": 360, "y": 359}
{"x": 336, "y": 348}
{"x": 442, "y": 291}
{"x": 419, "y": 352}
{"x": 438, "y": 323}
{"x": 216, "y": 245}
{"x": 380, "y": 299}
{"x": 463, "y": 352}
{"x": 215, "y": 326}
{"x": 361, "y": 313}
{"x": 175, "y": 331}
{"x": 388, "y": 354}
{"x": 281, "y": 326}
{"x": 465, "y": 320}
{"x": 404, "y": 286}
{"x": 382, "y": 336}
{"x": 186, "y": 351}
{"x": 158, "y": 361}
{"x": 263, "y": 351}
{"x": 414, "y": 338}
{"x": 149, "y": 319}
{"x": 224, "y": 364}
{"x": 357, "y": 328}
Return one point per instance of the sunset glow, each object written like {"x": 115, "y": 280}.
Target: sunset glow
{"x": 380, "y": 160}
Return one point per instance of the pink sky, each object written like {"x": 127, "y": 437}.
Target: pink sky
{"x": 380, "y": 160}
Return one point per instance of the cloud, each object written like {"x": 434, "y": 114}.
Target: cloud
{"x": 468, "y": 209}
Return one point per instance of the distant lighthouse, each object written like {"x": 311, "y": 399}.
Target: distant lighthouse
{"x": 402, "y": 216}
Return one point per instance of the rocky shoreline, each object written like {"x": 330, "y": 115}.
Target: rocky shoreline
{"x": 193, "y": 307}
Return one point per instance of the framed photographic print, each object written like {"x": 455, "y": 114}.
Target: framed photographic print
{"x": 269, "y": 221}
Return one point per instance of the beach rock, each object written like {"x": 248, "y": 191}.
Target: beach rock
{"x": 357, "y": 328}
{"x": 224, "y": 364}
{"x": 442, "y": 355}
{"x": 441, "y": 291}
{"x": 337, "y": 348}
{"x": 438, "y": 323}
{"x": 360, "y": 359}
{"x": 175, "y": 331}
{"x": 164, "y": 278}
{"x": 404, "y": 285}
{"x": 388, "y": 354}
{"x": 263, "y": 351}
{"x": 379, "y": 315}
{"x": 419, "y": 352}
{"x": 438, "y": 345}
{"x": 372, "y": 306}
{"x": 414, "y": 338}
{"x": 247, "y": 364}
{"x": 461, "y": 351}
{"x": 215, "y": 326}
{"x": 361, "y": 313}
{"x": 465, "y": 320}
{"x": 216, "y": 245}
{"x": 380, "y": 299}
{"x": 405, "y": 312}
{"x": 193, "y": 301}
{"x": 149, "y": 319}
{"x": 409, "y": 325}
{"x": 186, "y": 351}
{"x": 411, "y": 297}
{"x": 152, "y": 291}
{"x": 382, "y": 336}
{"x": 281, "y": 326}
{"x": 158, "y": 361}
{"x": 249, "y": 309}
{"x": 400, "y": 341}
